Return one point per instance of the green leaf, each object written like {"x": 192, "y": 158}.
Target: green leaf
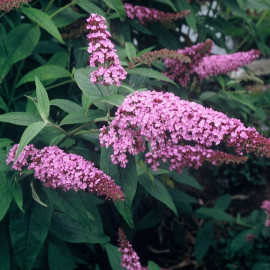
{"x": 90, "y": 90}
{"x": 66, "y": 17}
{"x": 115, "y": 100}
{"x": 150, "y": 220}
{"x": 43, "y": 102}
{"x": 167, "y": 2}
{"x": 30, "y": 133}
{"x": 59, "y": 256}
{"x": 118, "y": 6}
{"x": 223, "y": 202}
{"x": 5, "y": 61}
{"x": 78, "y": 117}
{"x": 114, "y": 256}
{"x": 204, "y": 239}
{"x": 151, "y": 73}
{"x": 43, "y": 20}
{"x": 20, "y": 118}
{"x": 240, "y": 241}
{"x": 215, "y": 214}
{"x": 191, "y": 18}
{"x": 130, "y": 50}
{"x": 66, "y": 105}
{"x": 90, "y": 7}
{"x": 3, "y": 165}
{"x": 5, "y": 195}
{"x": 17, "y": 194}
{"x": 126, "y": 178}
{"x": 4, "y": 248}
{"x": 21, "y": 41}
{"x": 186, "y": 178}
{"x": 158, "y": 191}
{"x": 28, "y": 231}
{"x": 152, "y": 266}
{"x": 70, "y": 230}
{"x": 47, "y": 72}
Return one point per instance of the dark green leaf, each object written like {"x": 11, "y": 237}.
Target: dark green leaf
{"x": 158, "y": 191}
{"x": 114, "y": 256}
{"x": 118, "y": 6}
{"x": 204, "y": 239}
{"x": 5, "y": 195}
{"x": 72, "y": 231}
{"x": 47, "y": 72}
{"x": 66, "y": 17}
{"x": 43, "y": 20}
{"x": 186, "y": 178}
{"x": 223, "y": 202}
{"x": 191, "y": 18}
{"x": 21, "y": 41}
{"x": 59, "y": 256}
{"x": 43, "y": 102}
{"x": 17, "y": 194}
{"x": 81, "y": 117}
{"x": 20, "y": 118}
{"x": 28, "y": 231}
{"x": 90, "y": 7}
{"x": 30, "y": 133}
{"x": 152, "y": 266}
{"x": 130, "y": 50}
{"x": 3, "y": 165}
{"x": 150, "y": 220}
{"x": 151, "y": 73}
{"x": 215, "y": 214}
{"x": 126, "y": 178}
{"x": 66, "y": 105}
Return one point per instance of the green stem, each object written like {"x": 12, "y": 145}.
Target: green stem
{"x": 63, "y": 8}
{"x": 59, "y": 84}
{"x": 48, "y": 6}
{"x": 57, "y": 127}
{"x": 261, "y": 18}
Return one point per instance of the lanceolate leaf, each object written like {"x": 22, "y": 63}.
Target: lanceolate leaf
{"x": 30, "y": 133}
{"x": 151, "y": 73}
{"x": 118, "y": 6}
{"x": 158, "y": 191}
{"x": 20, "y": 118}
{"x": 21, "y": 41}
{"x": 43, "y": 103}
{"x": 5, "y": 195}
{"x": 29, "y": 230}
{"x": 66, "y": 105}
{"x": 204, "y": 239}
{"x": 114, "y": 256}
{"x": 43, "y": 20}
{"x": 44, "y": 73}
{"x": 90, "y": 7}
{"x": 126, "y": 178}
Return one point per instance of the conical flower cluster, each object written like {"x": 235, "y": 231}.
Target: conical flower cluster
{"x": 145, "y": 14}
{"x": 103, "y": 54}
{"x": 204, "y": 65}
{"x": 8, "y": 5}
{"x": 129, "y": 258}
{"x": 57, "y": 169}
{"x": 178, "y": 132}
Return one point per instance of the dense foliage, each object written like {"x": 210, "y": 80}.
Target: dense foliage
{"x": 127, "y": 139}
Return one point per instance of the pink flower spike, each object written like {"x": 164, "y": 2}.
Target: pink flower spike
{"x": 57, "y": 169}
{"x": 178, "y": 132}
{"x": 129, "y": 258}
{"x": 103, "y": 54}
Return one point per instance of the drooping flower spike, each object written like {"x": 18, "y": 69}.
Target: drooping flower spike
{"x": 57, "y": 169}
{"x": 145, "y": 14}
{"x": 103, "y": 54}
{"x": 8, "y": 5}
{"x": 178, "y": 132}
{"x": 129, "y": 258}
{"x": 204, "y": 65}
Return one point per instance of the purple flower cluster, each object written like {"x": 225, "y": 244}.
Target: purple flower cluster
{"x": 103, "y": 53}
{"x": 204, "y": 65}
{"x": 266, "y": 207}
{"x": 145, "y": 14}
{"x": 180, "y": 71}
{"x": 58, "y": 169}
{"x": 178, "y": 132}
{"x": 8, "y": 5}
{"x": 129, "y": 258}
